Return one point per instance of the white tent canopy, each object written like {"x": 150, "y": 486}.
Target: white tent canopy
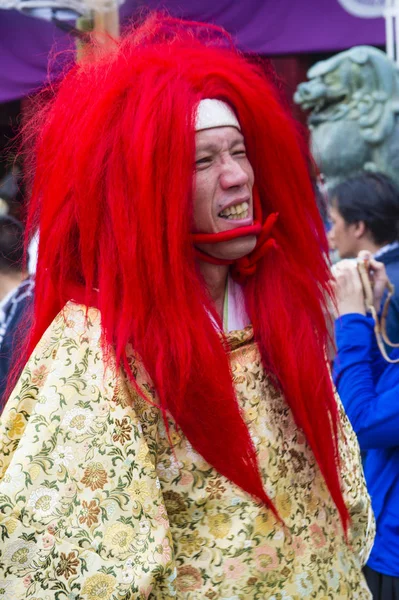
{"x": 389, "y": 9}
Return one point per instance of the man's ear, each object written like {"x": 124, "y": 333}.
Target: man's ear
{"x": 360, "y": 229}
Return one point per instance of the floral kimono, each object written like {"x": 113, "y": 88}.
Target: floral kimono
{"x": 96, "y": 503}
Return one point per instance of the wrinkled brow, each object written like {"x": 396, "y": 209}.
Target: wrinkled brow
{"x": 214, "y": 146}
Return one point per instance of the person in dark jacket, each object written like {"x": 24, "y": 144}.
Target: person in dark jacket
{"x": 364, "y": 215}
{"x": 16, "y": 296}
{"x": 369, "y": 390}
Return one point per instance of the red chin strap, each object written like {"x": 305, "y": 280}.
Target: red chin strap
{"x": 245, "y": 266}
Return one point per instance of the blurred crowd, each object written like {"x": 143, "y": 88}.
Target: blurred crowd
{"x": 362, "y": 226}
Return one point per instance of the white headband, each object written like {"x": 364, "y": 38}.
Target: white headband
{"x": 214, "y": 113}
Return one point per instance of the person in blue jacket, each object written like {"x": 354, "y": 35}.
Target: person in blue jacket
{"x": 364, "y": 215}
{"x": 369, "y": 389}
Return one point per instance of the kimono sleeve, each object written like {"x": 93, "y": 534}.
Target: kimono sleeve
{"x": 81, "y": 510}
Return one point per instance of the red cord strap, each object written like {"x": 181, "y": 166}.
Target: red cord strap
{"x": 227, "y": 236}
{"x": 245, "y": 266}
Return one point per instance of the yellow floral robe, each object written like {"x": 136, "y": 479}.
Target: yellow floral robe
{"x": 96, "y": 505}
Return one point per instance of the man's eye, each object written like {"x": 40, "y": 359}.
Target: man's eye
{"x": 206, "y": 160}
{"x": 241, "y": 152}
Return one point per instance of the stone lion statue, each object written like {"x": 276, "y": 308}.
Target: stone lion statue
{"x": 354, "y": 102}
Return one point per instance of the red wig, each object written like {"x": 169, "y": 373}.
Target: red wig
{"x": 112, "y": 196}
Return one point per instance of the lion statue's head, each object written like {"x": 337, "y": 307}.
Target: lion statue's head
{"x": 354, "y": 101}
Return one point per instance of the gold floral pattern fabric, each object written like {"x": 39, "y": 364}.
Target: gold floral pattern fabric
{"x": 96, "y": 503}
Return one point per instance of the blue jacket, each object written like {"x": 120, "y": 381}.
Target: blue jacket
{"x": 391, "y": 262}
{"x": 369, "y": 389}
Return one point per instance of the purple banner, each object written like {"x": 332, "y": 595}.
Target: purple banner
{"x": 29, "y": 47}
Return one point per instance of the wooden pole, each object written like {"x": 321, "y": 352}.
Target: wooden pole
{"x": 103, "y": 27}
{"x": 106, "y": 24}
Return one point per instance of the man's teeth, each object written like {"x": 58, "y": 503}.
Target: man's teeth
{"x": 238, "y": 211}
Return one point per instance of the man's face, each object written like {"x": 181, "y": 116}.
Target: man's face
{"x": 342, "y": 235}
{"x": 223, "y": 182}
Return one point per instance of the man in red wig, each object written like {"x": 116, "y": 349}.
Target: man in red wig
{"x": 175, "y": 432}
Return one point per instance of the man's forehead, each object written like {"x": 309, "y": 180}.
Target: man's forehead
{"x": 216, "y": 135}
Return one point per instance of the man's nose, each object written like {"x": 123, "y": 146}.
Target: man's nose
{"x": 233, "y": 174}
{"x": 331, "y": 239}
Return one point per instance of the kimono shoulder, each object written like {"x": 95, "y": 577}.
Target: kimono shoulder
{"x": 82, "y": 514}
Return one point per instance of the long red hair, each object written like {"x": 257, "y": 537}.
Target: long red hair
{"x": 112, "y": 196}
